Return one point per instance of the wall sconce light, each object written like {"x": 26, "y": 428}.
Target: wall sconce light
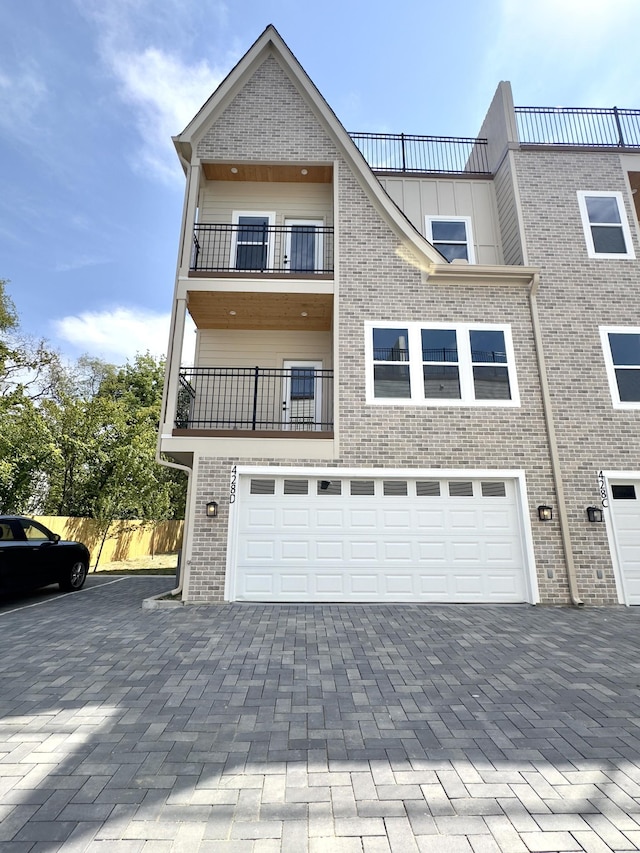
{"x": 212, "y": 509}
{"x": 545, "y": 513}
{"x": 324, "y": 484}
{"x": 594, "y": 513}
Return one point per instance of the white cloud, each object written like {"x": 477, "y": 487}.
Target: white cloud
{"x": 115, "y": 335}
{"x": 163, "y": 90}
{"x": 80, "y": 262}
{"x": 22, "y": 91}
{"x": 165, "y": 94}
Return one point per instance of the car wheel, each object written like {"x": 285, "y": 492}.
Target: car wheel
{"x": 75, "y": 578}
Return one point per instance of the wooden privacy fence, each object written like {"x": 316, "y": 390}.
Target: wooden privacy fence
{"x": 125, "y": 539}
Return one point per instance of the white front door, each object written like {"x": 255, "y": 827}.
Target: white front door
{"x": 624, "y": 503}
{"x": 302, "y": 395}
{"x": 304, "y": 245}
{"x": 378, "y": 539}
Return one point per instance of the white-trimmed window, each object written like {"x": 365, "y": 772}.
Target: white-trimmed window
{"x": 621, "y": 348}
{"x": 605, "y": 225}
{"x": 252, "y": 244}
{"x": 452, "y": 237}
{"x": 440, "y": 364}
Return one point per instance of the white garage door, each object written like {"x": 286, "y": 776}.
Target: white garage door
{"x": 625, "y": 509}
{"x": 359, "y": 539}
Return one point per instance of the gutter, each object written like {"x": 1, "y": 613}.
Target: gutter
{"x": 188, "y": 471}
{"x": 553, "y": 445}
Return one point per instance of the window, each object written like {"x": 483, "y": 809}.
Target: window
{"x": 252, "y": 243}
{"x": 621, "y": 347}
{"x": 440, "y": 364}
{"x": 452, "y": 237}
{"x": 606, "y": 229}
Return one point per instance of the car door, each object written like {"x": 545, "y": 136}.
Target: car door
{"x": 42, "y": 556}
{"x": 12, "y": 555}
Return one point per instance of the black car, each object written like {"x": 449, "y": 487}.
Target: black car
{"x": 32, "y": 556}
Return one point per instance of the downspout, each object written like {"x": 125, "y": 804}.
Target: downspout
{"x": 553, "y": 445}
{"x": 188, "y": 471}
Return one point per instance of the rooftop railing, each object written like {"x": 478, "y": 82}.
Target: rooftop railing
{"x": 403, "y": 152}
{"x": 591, "y": 127}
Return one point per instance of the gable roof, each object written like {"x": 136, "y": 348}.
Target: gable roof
{"x": 270, "y": 43}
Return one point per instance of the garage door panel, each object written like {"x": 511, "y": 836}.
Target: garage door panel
{"x": 258, "y": 517}
{"x": 394, "y": 519}
{"x": 397, "y": 551}
{"x": 497, "y": 520}
{"x": 501, "y": 552}
{"x": 330, "y": 550}
{"x": 363, "y": 519}
{"x": 432, "y": 552}
{"x": 446, "y": 544}
{"x": 330, "y": 518}
{"x": 294, "y": 549}
{"x": 330, "y": 584}
{"x": 296, "y": 518}
{"x": 260, "y": 549}
{"x": 430, "y": 520}
{"x": 463, "y": 519}
{"x": 295, "y": 583}
{"x": 465, "y": 552}
{"x": 399, "y": 584}
{"x": 365, "y": 584}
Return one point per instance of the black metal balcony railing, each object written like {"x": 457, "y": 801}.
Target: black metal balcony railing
{"x": 296, "y": 249}
{"x": 403, "y": 152}
{"x": 581, "y": 126}
{"x": 255, "y": 398}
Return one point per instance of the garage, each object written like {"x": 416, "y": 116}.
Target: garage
{"x": 624, "y": 505}
{"x": 301, "y": 537}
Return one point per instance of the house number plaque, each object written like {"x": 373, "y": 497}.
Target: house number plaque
{"x": 232, "y": 485}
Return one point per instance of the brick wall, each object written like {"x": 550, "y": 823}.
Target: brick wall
{"x": 577, "y": 295}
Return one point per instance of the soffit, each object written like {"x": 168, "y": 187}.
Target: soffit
{"x": 268, "y": 311}
{"x": 265, "y": 172}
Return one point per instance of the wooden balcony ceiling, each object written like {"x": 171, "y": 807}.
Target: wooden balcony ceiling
{"x": 265, "y": 172}
{"x": 268, "y": 311}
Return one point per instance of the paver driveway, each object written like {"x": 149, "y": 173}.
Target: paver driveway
{"x": 295, "y": 728}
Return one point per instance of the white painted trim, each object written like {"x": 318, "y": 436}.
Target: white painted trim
{"x": 623, "y": 224}
{"x": 464, "y": 361}
{"x": 612, "y": 537}
{"x": 429, "y": 220}
{"x": 517, "y": 475}
{"x": 610, "y": 366}
{"x": 235, "y": 220}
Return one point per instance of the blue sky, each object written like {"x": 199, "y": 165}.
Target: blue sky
{"x": 92, "y": 90}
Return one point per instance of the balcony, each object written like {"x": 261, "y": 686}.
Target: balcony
{"x": 255, "y": 246}
{"x": 219, "y": 401}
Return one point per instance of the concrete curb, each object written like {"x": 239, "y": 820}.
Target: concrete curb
{"x": 159, "y": 602}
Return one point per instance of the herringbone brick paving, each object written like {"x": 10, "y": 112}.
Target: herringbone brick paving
{"x": 308, "y": 728}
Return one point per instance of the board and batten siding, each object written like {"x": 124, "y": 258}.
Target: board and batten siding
{"x": 419, "y": 197}
{"x": 233, "y": 348}
{"x": 218, "y": 200}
